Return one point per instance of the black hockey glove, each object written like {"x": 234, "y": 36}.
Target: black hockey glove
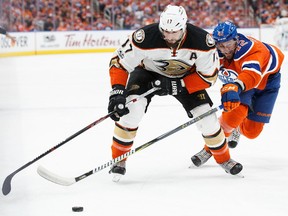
{"x": 169, "y": 86}
{"x": 117, "y": 101}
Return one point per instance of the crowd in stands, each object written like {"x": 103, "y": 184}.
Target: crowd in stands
{"x": 65, "y": 15}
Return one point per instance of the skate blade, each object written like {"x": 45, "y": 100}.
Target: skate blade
{"x": 116, "y": 177}
{"x": 191, "y": 166}
{"x": 240, "y": 175}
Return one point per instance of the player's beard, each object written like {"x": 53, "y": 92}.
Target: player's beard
{"x": 174, "y": 43}
{"x": 229, "y": 55}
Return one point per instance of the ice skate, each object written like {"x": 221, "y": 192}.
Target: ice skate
{"x": 232, "y": 167}
{"x": 201, "y": 157}
{"x": 234, "y": 138}
{"x": 118, "y": 170}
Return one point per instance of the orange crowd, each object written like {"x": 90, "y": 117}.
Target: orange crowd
{"x": 65, "y": 15}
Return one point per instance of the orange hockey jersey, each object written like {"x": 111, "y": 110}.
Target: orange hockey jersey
{"x": 252, "y": 63}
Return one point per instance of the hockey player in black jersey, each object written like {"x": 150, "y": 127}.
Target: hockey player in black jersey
{"x": 183, "y": 59}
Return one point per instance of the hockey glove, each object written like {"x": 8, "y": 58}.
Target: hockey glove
{"x": 117, "y": 101}
{"x": 230, "y": 96}
{"x": 169, "y": 86}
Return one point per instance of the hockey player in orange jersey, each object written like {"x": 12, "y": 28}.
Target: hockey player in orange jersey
{"x": 250, "y": 71}
{"x": 184, "y": 59}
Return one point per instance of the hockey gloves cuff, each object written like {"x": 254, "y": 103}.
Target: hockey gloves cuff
{"x": 230, "y": 96}
{"x": 117, "y": 101}
{"x": 169, "y": 86}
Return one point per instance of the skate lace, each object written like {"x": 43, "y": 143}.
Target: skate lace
{"x": 228, "y": 165}
{"x": 235, "y": 136}
{"x": 121, "y": 164}
{"x": 203, "y": 155}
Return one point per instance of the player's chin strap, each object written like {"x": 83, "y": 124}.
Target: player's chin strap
{"x": 6, "y": 188}
{"x": 45, "y": 173}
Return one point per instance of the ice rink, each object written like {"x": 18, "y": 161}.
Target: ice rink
{"x": 46, "y": 99}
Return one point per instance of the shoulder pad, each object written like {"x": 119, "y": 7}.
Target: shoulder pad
{"x": 139, "y": 36}
{"x": 198, "y": 38}
{"x": 148, "y": 37}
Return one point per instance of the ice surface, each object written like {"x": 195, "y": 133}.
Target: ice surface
{"x": 46, "y": 99}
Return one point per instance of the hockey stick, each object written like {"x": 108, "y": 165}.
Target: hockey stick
{"x": 69, "y": 181}
{"x": 6, "y": 188}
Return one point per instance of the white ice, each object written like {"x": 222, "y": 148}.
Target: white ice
{"x": 46, "y": 99}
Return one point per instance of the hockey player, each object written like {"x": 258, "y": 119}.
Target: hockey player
{"x": 4, "y": 32}
{"x": 250, "y": 71}
{"x": 184, "y": 59}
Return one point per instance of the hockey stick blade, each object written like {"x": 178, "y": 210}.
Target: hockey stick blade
{"x": 42, "y": 171}
{"x": 45, "y": 173}
{"x": 6, "y": 187}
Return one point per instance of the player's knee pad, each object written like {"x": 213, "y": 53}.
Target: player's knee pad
{"x": 124, "y": 135}
{"x": 136, "y": 112}
{"x": 251, "y": 129}
{"x": 208, "y": 125}
{"x": 215, "y": 140}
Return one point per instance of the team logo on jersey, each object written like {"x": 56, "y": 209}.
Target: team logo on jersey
{"x": 139, "y": 36}
{"x": 172, "y": 67}
{"x": 227, "y": 75}
{"x": 210, "y": 41}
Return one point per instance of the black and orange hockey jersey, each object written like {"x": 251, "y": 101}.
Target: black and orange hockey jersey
{"x": 195, "y": 59}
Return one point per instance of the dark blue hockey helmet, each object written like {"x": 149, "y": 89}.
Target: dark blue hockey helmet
{"x": 224, "y": 31}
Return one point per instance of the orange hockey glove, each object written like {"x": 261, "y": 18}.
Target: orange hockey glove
{"x": 230, "y": 96}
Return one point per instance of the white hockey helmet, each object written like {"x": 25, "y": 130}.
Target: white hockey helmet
{"x": 173, "y": 18}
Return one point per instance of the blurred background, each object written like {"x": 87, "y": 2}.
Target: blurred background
{"x": 70, "y": 15}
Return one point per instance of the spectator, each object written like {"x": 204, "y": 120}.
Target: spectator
{"x": 132, "y": 14}
{"x": 48, "y": 24}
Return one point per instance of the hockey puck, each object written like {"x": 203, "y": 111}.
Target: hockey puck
{"x": 77, "y": 208}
